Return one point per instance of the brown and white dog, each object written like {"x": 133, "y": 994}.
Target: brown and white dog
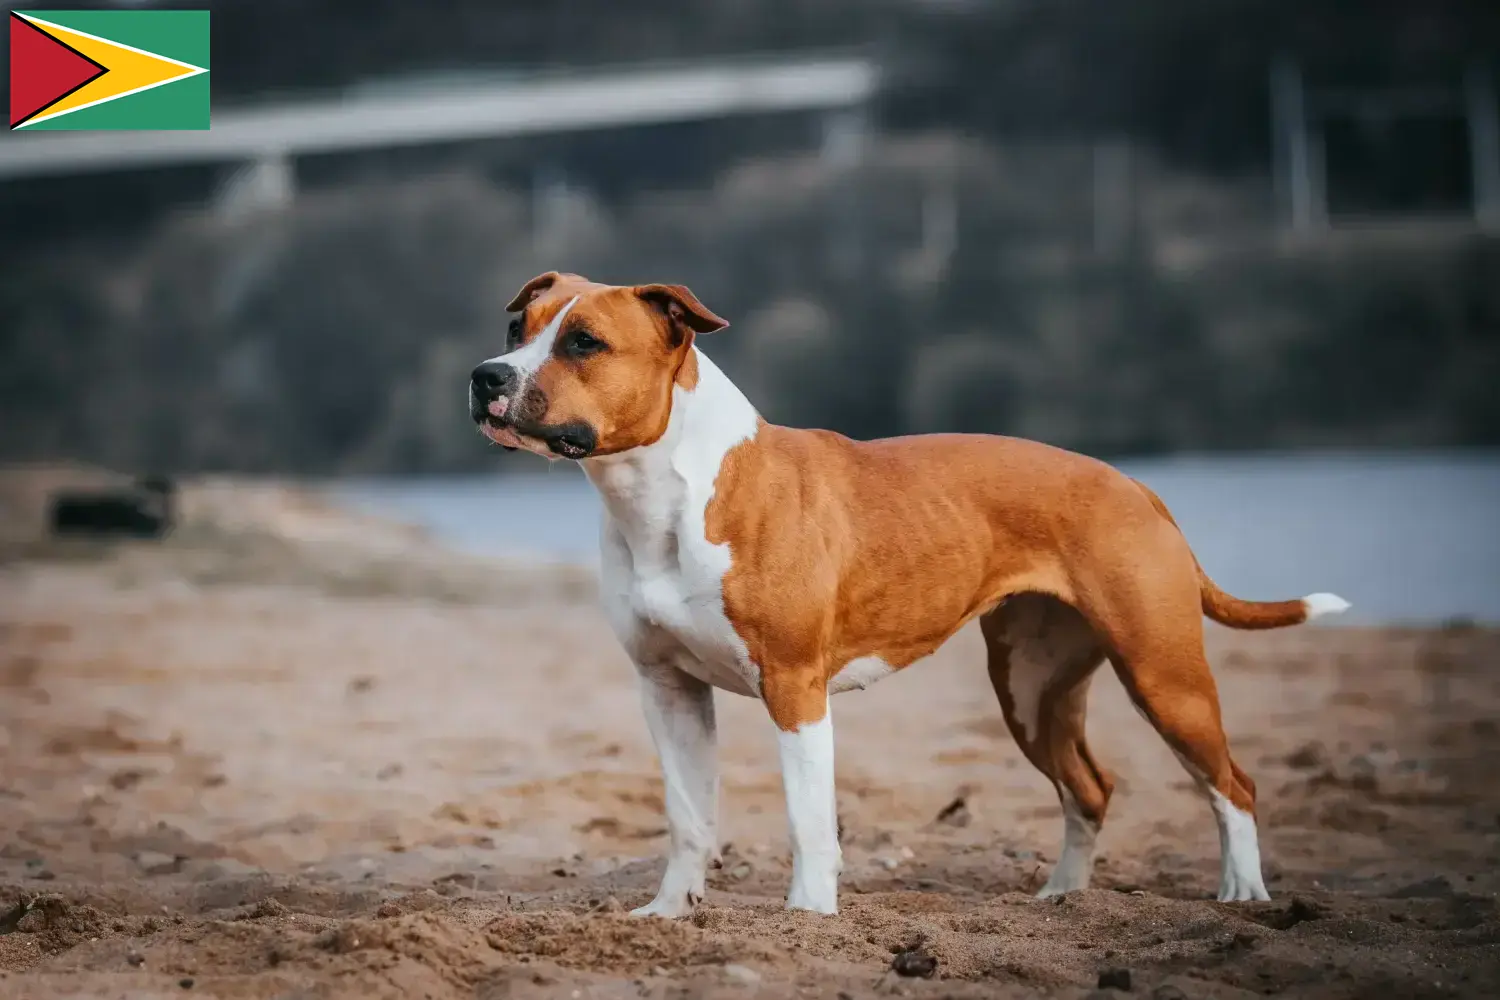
{"x": 790, "y": 565}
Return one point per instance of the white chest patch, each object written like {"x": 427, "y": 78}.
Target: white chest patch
{"x": 662, "y": 581}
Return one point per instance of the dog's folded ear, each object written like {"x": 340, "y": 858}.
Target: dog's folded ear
{"x": 682, "y": 308}
{"x": 532, "y": 289}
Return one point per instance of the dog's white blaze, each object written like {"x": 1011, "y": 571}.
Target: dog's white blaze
{"x": 531, "y": 355}
{"x": 1076, "y": 865}
{"x": 807, "y": 776}
{"x": 859, "y": 674}
{"x": 527, "y": 360}
{"x": 680, "y": 714}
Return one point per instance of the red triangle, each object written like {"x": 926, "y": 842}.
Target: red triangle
{"x": 42, "y": 70}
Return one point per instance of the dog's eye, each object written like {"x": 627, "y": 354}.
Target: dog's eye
{"x": 581, "y": 343}
{"x": 513, "y": 333}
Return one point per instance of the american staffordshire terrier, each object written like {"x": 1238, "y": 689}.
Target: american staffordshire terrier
{"x": 790, "y": 565}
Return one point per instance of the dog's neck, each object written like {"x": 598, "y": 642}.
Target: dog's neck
{"x": 647, "y": 489}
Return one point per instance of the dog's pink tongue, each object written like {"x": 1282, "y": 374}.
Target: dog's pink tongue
{"x": 498, "y": 407}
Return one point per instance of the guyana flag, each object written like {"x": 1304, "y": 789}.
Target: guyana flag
{"x": 115, "y": 69}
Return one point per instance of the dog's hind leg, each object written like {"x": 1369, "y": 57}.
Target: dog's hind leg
{"x": 1173, "y": 688}
{"x": 1042, "y": 654}
{"x": 1155, "y": 631}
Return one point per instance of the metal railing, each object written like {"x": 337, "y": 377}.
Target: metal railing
{"x": 409, "y": 113}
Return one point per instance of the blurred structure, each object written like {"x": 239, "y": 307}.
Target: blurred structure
{"x": 266, "y": 140}
{"x": 1302, "y": 118}
{"x": 1148, "y": 227}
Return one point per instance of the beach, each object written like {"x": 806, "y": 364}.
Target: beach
{"x": 297, "y": 751}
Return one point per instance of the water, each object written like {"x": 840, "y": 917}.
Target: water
{"x": 1410, "y": 538}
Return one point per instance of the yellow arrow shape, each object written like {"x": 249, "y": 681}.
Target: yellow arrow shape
{"x": 130, "y": 70}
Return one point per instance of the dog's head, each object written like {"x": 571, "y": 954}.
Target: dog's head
{"x": 588, "y": 369}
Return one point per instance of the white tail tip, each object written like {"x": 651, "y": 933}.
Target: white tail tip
{"x": 1319, "y": 605}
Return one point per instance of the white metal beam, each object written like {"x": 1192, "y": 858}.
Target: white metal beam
{"x": 458, "y": 112}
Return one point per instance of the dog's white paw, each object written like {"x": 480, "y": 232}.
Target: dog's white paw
{"x": 815, "y": 885}
{"x": 1071, "y": 874}
{"x": 1058, "y": 888}
{"x": 1238, "y": 888}
{"x": 814, "y": 903}
{"x": 671, "y": 907}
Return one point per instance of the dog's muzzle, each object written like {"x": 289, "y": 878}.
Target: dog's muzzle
{"x": 491, "y": 381}
{"x": 501, "y": 408}
{"x": 491, "y": 387}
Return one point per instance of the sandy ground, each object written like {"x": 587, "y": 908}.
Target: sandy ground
{"x": 262, "y": 760}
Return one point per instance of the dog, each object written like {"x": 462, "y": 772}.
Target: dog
{"x": 145, "y": 510}
{"x": 791, "y": 565}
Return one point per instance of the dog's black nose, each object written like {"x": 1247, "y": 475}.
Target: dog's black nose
{"x": 493, "y": 379}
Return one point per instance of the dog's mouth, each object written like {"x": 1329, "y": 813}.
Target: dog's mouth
{"x": 492, "y": 424}
{"x": 501, "y": 434}
{"x": 497, "y": 423}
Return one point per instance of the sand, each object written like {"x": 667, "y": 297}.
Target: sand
{"x": 261, "y": 761}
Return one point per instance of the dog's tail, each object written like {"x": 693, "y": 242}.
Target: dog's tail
{"x": 1226, "y": 609}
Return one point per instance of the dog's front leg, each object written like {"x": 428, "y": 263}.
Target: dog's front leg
{"x": 680, "y": 714}
{"x": 801, "y": 713}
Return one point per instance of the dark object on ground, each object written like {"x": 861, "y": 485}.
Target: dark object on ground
{"x": 144, "y": 510}
{"x": 1115, "y": 979}
{"x": 914, "y": 962}
{"x": 11, "y": 919}
{"x": 1300, "y": 911}
{"x": 1436, "y": 887}
{"x": 956, "y": 813}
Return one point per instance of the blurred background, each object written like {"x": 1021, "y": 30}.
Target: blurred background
{"x": 1166, "y": 233}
